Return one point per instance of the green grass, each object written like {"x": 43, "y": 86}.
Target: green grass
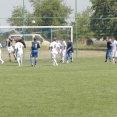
{"x": 85, "y": 88}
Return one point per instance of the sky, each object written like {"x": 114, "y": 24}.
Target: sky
{"x": 6, "y": 8}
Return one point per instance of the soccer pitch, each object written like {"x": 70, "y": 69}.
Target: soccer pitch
{"x": 85, "y": 88}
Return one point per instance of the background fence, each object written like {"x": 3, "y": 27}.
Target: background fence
{"x": 55, "y": 13}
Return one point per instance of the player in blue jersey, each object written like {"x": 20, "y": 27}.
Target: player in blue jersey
{"x": 69, "y": 50}
{"x": 108, "y": 51}
{"x": 34, "y": 52}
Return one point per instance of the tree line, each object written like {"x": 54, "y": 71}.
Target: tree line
{"x": 97, "y": 21}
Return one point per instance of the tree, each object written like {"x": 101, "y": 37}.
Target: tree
{"x": 83, "y": 24}
{"x": 51, "y": 12}
{"x": 46, "y": 13}
{"x": 17, "y": 17}
{"x": 103, "y": 20}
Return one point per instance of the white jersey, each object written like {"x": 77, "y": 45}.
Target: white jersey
{"x": 0, "y": 45}
{"x": 64, "y": 45}
{"x": 19, "y": 47}
{"x": 55, "y": 47}
{"x": 114, "y": 45}
{"x": 59, "y": 44}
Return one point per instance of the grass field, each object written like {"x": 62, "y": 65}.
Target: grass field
{"x": 85, "y": 88}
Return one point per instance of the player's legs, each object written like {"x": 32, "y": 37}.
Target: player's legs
{"x": 9, "y": 53}
{"x": 34, "y": 55}
{"x": 12, "y": 50}
{"x": 109, "y": 55}
{"x": 19, "y": 58}
{"x": 63, "y": 54}
{"x": 113, "y": 56}
{"x": 106, "y": 56}
{"x": 67, "y": 55}
{"x": 54, "y": 59}
{"x": 1, "y": 58}
{"x": 70, "y": 56}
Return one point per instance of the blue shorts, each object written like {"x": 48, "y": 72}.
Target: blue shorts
{"x": 34, "y": 53}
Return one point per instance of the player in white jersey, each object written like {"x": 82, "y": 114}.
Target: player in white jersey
{"x": 60, "y": 46}
{"x": 63, "y": 50}
{"x": 114, "y": 50}
{"x": 0, "y": 54}
{"x": 19, "y": 51}
{"x": 10, "y": 48}
{"x": 54, "y": 51}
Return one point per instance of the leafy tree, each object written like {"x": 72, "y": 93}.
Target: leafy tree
{"x": 83, "y": 24}
{"x": 17, "y": 17}
{"x": 50, "y": 12}
{"x": 46, "y": 13}
{"x": 103, "y": 20}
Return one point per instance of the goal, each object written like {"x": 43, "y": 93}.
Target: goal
{"x": 44, "y": 35}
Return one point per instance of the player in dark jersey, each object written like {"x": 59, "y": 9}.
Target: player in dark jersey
{"x": 34, "y": 52}
{"x": 69, "y": 50}
{"x": 108, "y": 51}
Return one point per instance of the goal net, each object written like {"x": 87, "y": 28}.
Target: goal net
{"x": 43, "y": 34}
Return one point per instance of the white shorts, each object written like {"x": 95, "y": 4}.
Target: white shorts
{"x": 114, "y": 53}
{"x": 10, "y": 49}
{"x": 63, "y": 52}
{"x": 19, "y": 55}
{"x": 53, "y": 55}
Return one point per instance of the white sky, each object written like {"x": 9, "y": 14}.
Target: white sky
{"x": 6, "y": 7}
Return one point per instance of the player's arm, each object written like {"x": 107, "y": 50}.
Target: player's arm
{"x": 65, "y": 45}
{"x": 50, "y": 46}
{"x": 0, "y": 45}
{"x": 38, "y": 45}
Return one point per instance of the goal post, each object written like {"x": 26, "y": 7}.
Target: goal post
{"x": 39, "y": 27}
{"x": 43, "y": 34}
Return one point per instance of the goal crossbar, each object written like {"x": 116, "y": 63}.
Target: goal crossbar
{"x": 71, "y": 27}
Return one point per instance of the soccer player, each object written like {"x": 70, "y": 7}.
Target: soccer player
{"x": 34, "y": 49}
{"x": 54, "y": 51}
{"x": 108, "y": 51}
{"x": 59, "y": 47}
{"x": 114, "y": 50}
{"x": 0, "y": 54}
{"x": 63, "y": 50}
{"x": 69, "y": 50}
{"x": 72, "y": 52}
{"x": 10, "y": 48}
{"x": 19, "y": 51}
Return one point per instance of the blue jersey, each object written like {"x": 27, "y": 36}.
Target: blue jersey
{"x": 70, "y": 45}
{"x": 35, "y": 45}
{"x": 109, "y": 45}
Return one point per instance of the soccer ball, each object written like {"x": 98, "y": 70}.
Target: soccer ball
{"x": 33, "y": 21}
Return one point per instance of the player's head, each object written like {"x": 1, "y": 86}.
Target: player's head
{"x": 22, "y": 38}
{"x": 34, "y": 39}
{"x": 16, "y": 40}
{"x": 9, "y": 37}
{"x": 107, "y": 38}
{"x": 113, "y": 38}
{"x": 63, "y": 39}
{"x": 54, "y": 39}
{"x": 69, "y": 39}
